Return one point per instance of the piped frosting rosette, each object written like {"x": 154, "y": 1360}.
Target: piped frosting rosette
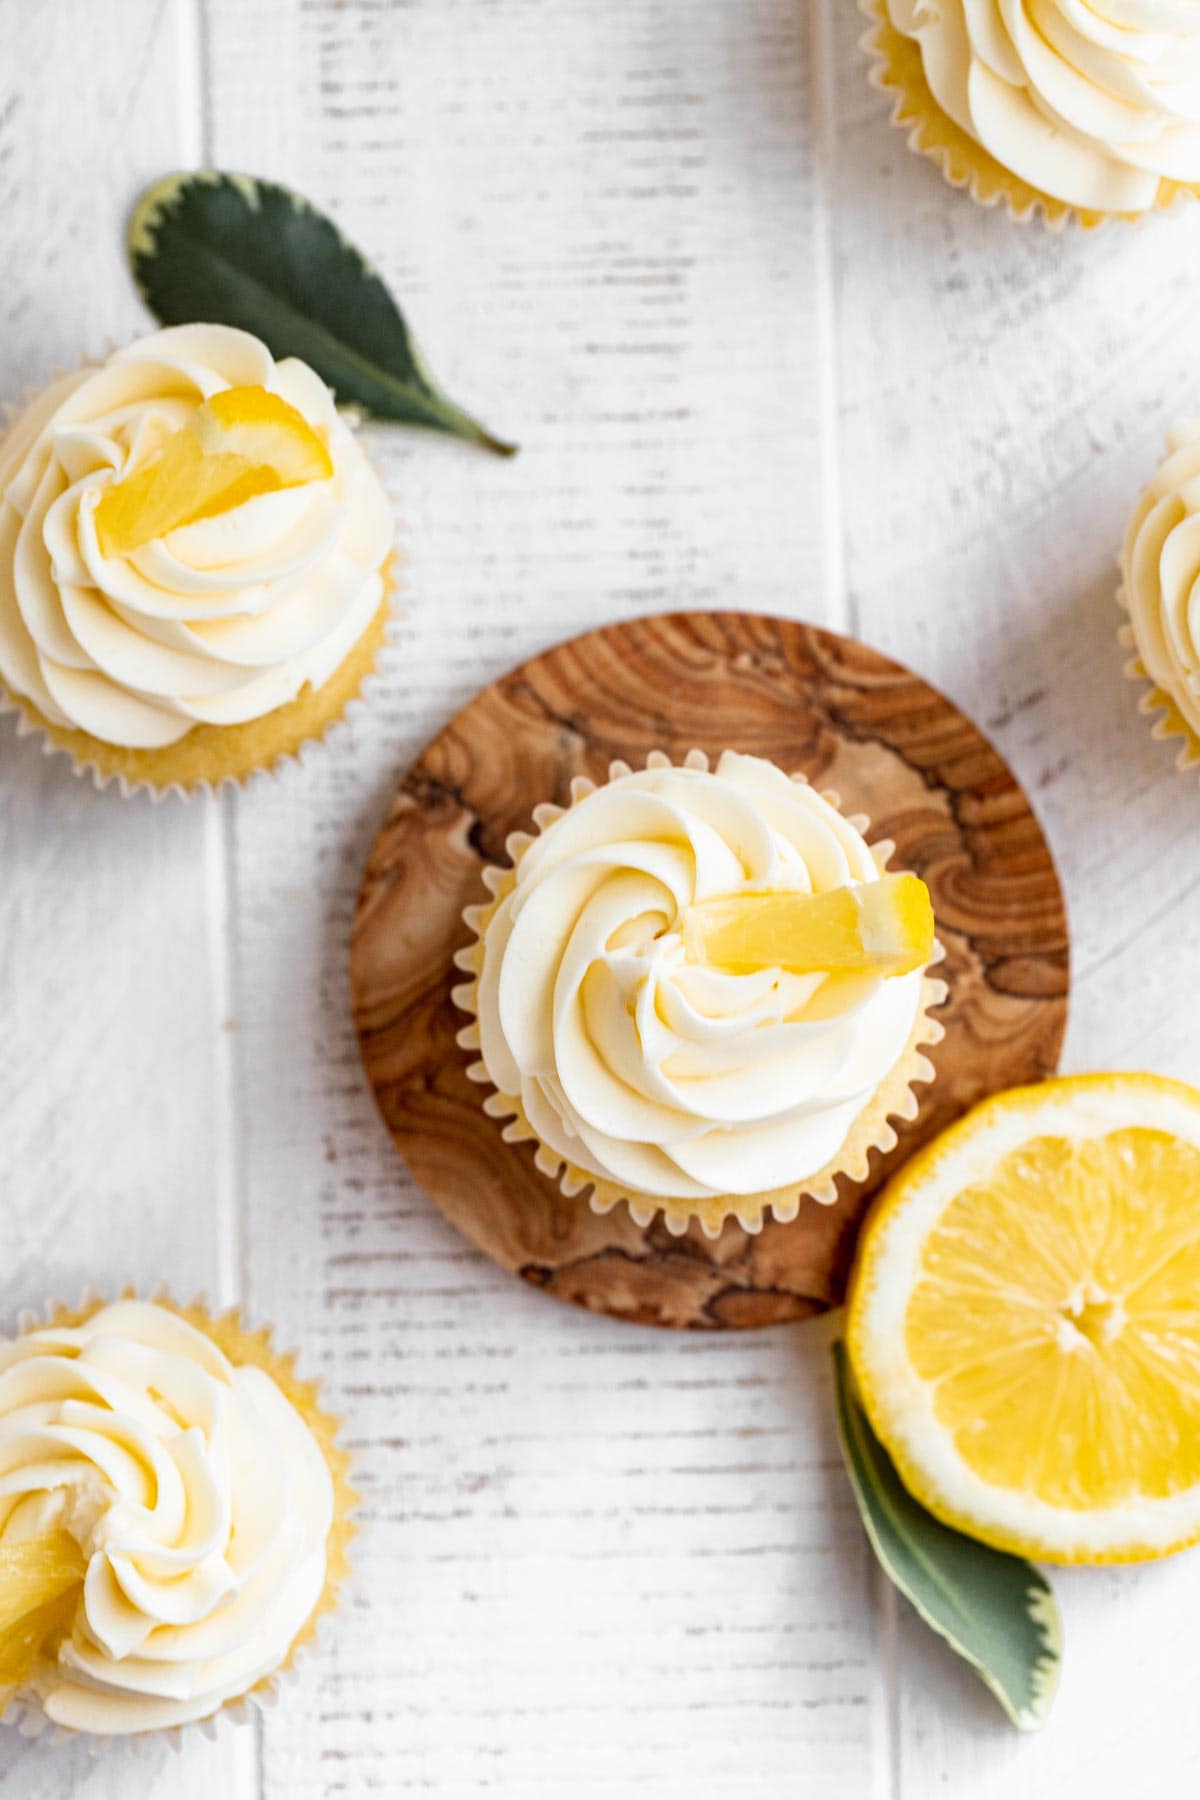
{"x": 1080, "y": 108}
{"x": 646, "y": 1077}
{"x": 185, "y": 1491}
{"x": 222, "y": 644}
{"x": 1160, "y": 593}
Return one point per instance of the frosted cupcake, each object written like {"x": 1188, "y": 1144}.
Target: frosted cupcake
{"x": 1160, "y": 569}
{"x": 193, "y": 560}
{"x": 1084, "y": 108}
{"x": 653, "y": 1052}
{"x": 173, "y": 1514}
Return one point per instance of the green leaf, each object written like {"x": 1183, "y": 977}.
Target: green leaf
{"x": 996, "y": 1610}
{"x": 231, "y": 250}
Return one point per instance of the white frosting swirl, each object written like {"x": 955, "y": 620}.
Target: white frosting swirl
{"x": 199, "y": 1497}
{"x": 218, "y": 622}
{"x": 670, "y": 1080}
{"x": 1093, "y": 102}
{"x": 1160, "y": 565}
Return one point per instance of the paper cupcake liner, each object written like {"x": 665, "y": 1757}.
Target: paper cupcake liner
{"x": 897, "y": 69}
{"x": 872, "y": 1129}
{"x": 211, "y": 757}
{"x": 1156, "y": 704}
{"x": 242, "y": 1344}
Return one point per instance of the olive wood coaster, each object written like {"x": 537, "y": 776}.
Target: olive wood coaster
{"x": 853, "y": 721}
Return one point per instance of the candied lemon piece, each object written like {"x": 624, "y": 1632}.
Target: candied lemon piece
{"x": 882, "y": 927}
{"x": 1024, "y": 1320}
{"x": 240, "y": 443}
{"x": 41, "y": 1579}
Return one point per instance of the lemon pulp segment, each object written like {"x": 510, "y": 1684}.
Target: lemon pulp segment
{"x": 1023, "y": 1319}
{"x": 40, "y": 1582}
{"x": 1057, "y": 1318}
{"x": 882, "y": 927}
{"x": 242, "y": 442}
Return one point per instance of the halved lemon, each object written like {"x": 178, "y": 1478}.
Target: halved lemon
{"x": 1024, "y": 1320}
{"x": 240, "y": 443}
{"x": 882, "y": 927}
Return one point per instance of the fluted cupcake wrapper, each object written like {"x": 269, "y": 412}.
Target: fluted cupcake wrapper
{"x": 872, "y": 1130}
{"x": 243, "y": 1345}
{"x": 897, "y": 69}
{"x": 212, "y": 757}
{"x": 1169, "y": 724}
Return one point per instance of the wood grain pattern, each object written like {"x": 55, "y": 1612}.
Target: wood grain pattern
{"x": 757, "y": 356}
{"x": 854, "y": 722}
{"x": 591, "y": 1557}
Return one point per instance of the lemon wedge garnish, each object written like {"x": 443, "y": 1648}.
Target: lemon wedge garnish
{"x": 1024, "y": 1320}
{"x": 40, "y": 1582}
{"x": 882, "y": 927}
{"x": 243, "y": 442}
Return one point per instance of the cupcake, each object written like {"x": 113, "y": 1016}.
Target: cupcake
{"x": 194, "y": 560}
{"x": 173, "y": 1517}
{"x": 1160, "y": 569}
{"x": 646, "y": 1070}
{"x": 1085, "y": 108}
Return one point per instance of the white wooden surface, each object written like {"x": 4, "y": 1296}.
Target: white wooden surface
{"x": 756, "y": 356}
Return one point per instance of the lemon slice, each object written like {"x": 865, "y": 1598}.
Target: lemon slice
{"x": 243, "y": 442}
{"x": 40, "y": 1582}
{"x": 1024, "y": 1320}
{"x": 882, "y": 927}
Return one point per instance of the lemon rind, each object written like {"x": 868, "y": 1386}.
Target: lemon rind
{"x": 898, "y": 1402}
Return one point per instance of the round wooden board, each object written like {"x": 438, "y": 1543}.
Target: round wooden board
{"x": 852, "y": 720}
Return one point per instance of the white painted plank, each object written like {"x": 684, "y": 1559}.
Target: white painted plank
{"x": 593, "y": 1555}
{"x": 110, "y": 1117}
{"x": 609, "y": 237}
{"x": 1003, "y": 393}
